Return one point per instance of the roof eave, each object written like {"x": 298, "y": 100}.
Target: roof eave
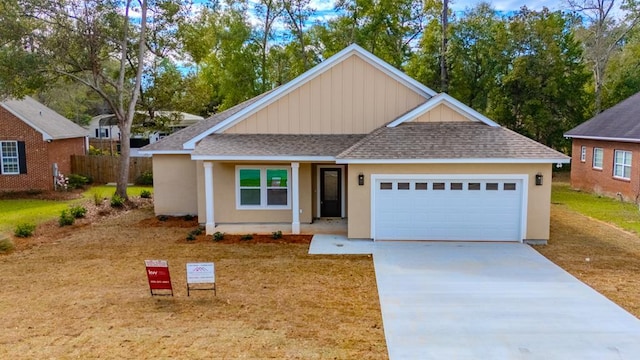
{"x": 262, "y": 158}
{"x": 563, "y": 160}
{"x": 165, "y": 152}
{"x": 45, "y": 135}
{"x": 602, "y": 138}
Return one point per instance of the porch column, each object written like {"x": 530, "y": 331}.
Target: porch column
{"x": 208, "y": 198}
{"x": 295, "y": 198}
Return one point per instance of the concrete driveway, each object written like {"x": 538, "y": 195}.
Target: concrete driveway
{"x": 493, "y": 301}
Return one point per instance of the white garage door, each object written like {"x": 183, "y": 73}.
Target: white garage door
{"x": 447, "y": 209}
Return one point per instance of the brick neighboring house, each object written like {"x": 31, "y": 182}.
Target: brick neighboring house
{"x": 606, "y": 151}
{"x": 33, "y": 138}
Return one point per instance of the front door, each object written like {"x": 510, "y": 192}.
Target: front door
{"x": 330, "y": 192}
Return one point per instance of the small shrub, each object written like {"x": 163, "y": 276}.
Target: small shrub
{"x": 66, "y": 218}
{"x": 5, "y": 245}
{"x": 163, "y": 218}
{"x": 276, "y": 235}
{"x": 25, "y": 230}
{"x": 75, "y": 181}
{"x": 191, "y": 237}
{"x": 218, "y": 236}
{"x": 117, "y": 201}
{"x": 246, "y": 237}
{"x": 197, "y": 231}
{"x": 78, "y": 211}
{"x": 98, "y": 199}
{"x": 145, "y": 194}
{"x": 145, "y": 179}
{"x": 188, "y": 217}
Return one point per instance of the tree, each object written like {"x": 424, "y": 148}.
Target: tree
{"x": 541, "y": 93}
{"x": 602, "y": 34}
{"x": 102, "y": 45}
{"x": 444, "y": 77}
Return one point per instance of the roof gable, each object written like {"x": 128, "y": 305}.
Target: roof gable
{"x": 280, "y": 92}
{"x": 449, "y": 102}
{"x": 49, "y": 123}
{"x": 618, "y": 123}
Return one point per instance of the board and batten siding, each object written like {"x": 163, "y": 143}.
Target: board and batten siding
{"x": 351, "y": 97}
{"x": 441, "y": 113}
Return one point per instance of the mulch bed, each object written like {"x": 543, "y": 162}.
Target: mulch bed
{"x": 41, "y": 195}
{"x": 256, "y": 239}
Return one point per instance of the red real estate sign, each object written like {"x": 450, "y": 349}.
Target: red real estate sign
{"x": 158, "y": 275}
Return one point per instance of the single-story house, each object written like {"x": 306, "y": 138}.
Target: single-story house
{"x": 356, "y": 138}
{"x": 103, "y": 130}
{"x": 606, "y": 151}
{"x": 35, "y": 142}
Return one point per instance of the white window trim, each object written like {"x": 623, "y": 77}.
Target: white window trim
{"x": 263, "y": 188}
{"x": 616, "y": 164}
{"x": 2, "y": 158}
{"x": 593, "y": 160}
{"x": 583, "y": 153}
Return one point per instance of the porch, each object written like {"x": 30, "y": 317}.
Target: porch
{"x": 333, "y": 226}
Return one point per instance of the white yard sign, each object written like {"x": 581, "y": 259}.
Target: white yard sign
{"x": 200, "y": 273}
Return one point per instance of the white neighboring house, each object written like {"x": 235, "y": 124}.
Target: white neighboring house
{"x": 105, "y": 127}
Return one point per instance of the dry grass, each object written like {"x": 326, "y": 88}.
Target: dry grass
{"x": 82, "y": 292}
{"x": 601, "y": 255}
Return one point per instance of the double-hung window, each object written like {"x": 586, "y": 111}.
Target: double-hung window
{"x": 598, "y": 155}
{"x": 9, "y": 158}
{"x": 262, "y": 188}
{"x": 583, "y": 153}
{"x": 622, "y": 164}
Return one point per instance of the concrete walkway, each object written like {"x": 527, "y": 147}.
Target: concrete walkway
{"x": 452, "y": 300}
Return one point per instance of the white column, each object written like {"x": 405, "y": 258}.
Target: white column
{"x": 208, "y": 198}
{"x": 295, "y": 198}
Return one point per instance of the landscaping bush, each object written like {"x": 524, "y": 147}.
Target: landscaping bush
{"x": 163, "y": 218}
{"x": 117, "y": 201}
{"x": 98, "y": 199}
{"x": 145, "y": 179}
{"x": 276, "y": 235}
{"x": 145, "y": 194}
{"x": 76, "y": 181}
{"x": 191, "y": 237}
{"x": 218, "y": 236}
{"x": 25, "y": 230}
{"x": 78, "y": 211}
{"x": 188, "y": 217}
{"x": 197, "y": 231}
{"x": 246, "y": 237}
{"x": 5, "y": 245}
{"x": 66, "y": 218}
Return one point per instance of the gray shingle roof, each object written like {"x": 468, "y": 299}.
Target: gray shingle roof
{"x": 268, "y": 145}
{"x": 174, "y": 141}
{"x": 48, "y": 122}
{"x": 448, "y": 140}
{"x": 621, "y": 121}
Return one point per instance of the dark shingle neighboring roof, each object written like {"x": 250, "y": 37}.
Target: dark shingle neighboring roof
{"x": 621, "y": 121}
{"x": 175, "y": 141}
{"x": 269, "y": 145}
{"x": 46, "y": 121}
{"x": 448, "y": 140}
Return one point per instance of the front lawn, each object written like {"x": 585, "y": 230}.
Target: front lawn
{"x": 83, "y": 293}
{"x": 622, "y": 214}
{"x": 37, "y": 210}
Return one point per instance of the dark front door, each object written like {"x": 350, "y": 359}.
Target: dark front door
{"x": 330, "y": 192}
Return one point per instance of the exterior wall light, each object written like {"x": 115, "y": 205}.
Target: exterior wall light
{"x": 361, "y": 179}
{"x": 538, "y": 179}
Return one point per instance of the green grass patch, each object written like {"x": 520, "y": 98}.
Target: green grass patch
{"x": 106, "y": 191}
{"x": 622, "y": 214}
{"x": 18, "y": 211}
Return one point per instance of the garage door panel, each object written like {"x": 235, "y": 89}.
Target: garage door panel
{"x": 481, "y": 210}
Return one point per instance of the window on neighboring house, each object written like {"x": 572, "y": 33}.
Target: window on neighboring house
{"x": 583, "y": 153}
{"x": 598, "y": 154}
{"x": 102, "y": 133}
{"x": 262, "y": 188}
{"x": 9, "y": 158}
{"x": 622, "y": 164}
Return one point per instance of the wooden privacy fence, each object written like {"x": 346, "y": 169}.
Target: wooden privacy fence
{"x": 104, "y": 169}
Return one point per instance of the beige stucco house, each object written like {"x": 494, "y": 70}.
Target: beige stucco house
{"x": 356, "y": 138}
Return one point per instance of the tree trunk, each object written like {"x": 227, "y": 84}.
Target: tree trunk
{"x": 444, "y": 76}
{"x": 123, "y": 164}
